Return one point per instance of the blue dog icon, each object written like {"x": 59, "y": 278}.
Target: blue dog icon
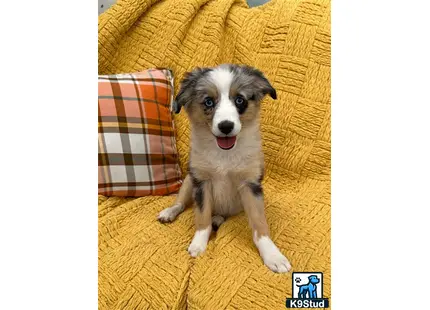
{"x": 309, "y": 289}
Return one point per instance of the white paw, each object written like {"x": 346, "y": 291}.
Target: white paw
{"x": 277, "y": 263}
{"x": 272, "y": 257}
{"x": 169, "y": 214}
{"x": 200, "y": 241}
{"x": 166, "y": 216}
{"x": 196, "y": 249}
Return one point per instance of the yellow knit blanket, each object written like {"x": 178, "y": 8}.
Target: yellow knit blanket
{"x": 144, "y": 264}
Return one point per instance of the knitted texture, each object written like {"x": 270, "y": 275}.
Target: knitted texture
{"x": 144, "y": 264}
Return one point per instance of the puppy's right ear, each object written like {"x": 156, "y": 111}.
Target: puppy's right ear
{"x": 187, "y": 89}
{"x": 176, "y": 107}
{"x": 181, "y": 96}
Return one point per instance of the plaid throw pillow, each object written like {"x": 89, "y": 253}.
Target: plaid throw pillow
{"x": 137, "y": 146}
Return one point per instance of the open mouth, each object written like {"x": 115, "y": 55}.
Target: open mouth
{"x": 226, "y": 143}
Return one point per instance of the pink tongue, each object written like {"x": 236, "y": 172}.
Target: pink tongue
{"x": 226, "y": 142}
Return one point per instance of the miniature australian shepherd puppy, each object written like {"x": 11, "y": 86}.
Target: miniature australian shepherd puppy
{"x": 226, "y": 160}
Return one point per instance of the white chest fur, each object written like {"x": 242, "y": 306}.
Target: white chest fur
{"x": 227, "y": 170}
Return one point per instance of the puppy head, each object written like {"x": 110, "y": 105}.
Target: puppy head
{"x": 224, "y": 99}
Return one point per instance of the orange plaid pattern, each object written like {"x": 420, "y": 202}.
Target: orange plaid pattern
{"x": 137, "y": 146}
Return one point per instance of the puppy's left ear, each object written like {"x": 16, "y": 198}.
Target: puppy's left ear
{"x": 267, "y": 88}
{"x": 272, "y": 92}
{"x": 260, "y": 83}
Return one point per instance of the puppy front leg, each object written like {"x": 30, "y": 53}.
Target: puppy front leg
{"x": 203, "y": 217}
{"x": 251, "y": 195}
{"x": 183, "y": 199}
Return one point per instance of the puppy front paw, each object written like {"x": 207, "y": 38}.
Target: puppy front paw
{"x": 272, "y": 257}
{"x": 166, "y": 216}
{"x": 277, "y": 262}
{"x": 195, "y": 249}
{"x": 169, "y": 214}
{"x": 200, "y": 241}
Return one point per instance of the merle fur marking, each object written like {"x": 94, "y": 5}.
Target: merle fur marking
{"x": 258, "y": 81}
{"x": 245, "y": 76}
{"x": 256, "y": 188}
{"x": 266, "y": 88}
{"x": 187, "y": 90}
{"x": 198, "y": 188}
{"x": 198, "y": 196}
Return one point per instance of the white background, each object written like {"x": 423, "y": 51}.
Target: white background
{"x": 48, "y": 176}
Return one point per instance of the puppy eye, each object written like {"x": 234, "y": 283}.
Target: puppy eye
{"x": 239, "y": 100}
{"x": 209, "y": 102}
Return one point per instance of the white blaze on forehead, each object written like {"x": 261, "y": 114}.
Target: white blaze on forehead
{"x": 222, "y": 78}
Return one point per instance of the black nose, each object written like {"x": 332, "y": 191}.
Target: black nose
{"x": 226, "y": 127}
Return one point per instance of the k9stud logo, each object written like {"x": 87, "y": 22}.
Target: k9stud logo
{"x": 307, "y": 291}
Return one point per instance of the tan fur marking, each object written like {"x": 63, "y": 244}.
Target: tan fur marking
{"x": 203, "y": 217}
{"x": 211, "y": 91}
{"x": 254, "y": 209}
{"x": 185, "y": 195}
{"x": 252, "y": 113}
